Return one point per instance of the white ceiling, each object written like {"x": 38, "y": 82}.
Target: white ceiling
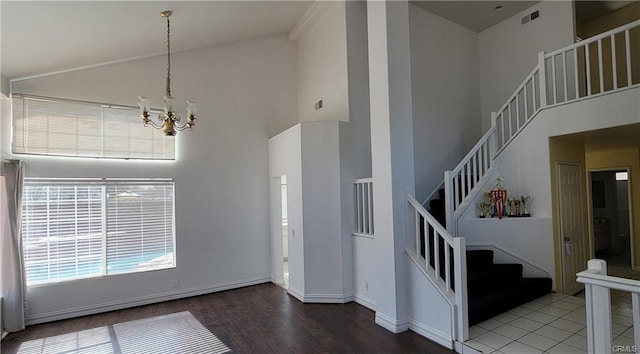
{"x": 45, "y": 36}
{"x": 41, "y": 37}
{"x": 476, "y": 15}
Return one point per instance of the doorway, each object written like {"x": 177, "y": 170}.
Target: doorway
{"x": 610, "y": 210}
{"x": 284, "y": 226}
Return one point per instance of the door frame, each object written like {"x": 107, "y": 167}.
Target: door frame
{"x": 629, "y": 201}
{"x": 559, "y": 242}
{"x": 275, "y": 196}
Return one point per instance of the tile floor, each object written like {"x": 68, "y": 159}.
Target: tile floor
{"x": 554, "y": 323}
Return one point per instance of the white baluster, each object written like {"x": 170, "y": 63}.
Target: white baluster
{"x": 614, "y": 70}
{"x": 628, "y": 48}
{"x": 600, "y": 68}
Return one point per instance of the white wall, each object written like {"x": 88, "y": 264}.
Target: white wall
{"x": 446, "y": 103}
{"x": 244, "y": 91}
{"x": 4, "y": 85}
{"x": 362, "y": 257}
{"x": 285, "y": 158}
{"x": 528, "y": 239}
{"x": 429, "y": 312}
{"x": 322, "y": 68}
{"x": 534, "y": 177}
{"x": 322, "y": 212}
{"x": 392, "y": 148}
{"x": 509, "y": 51}
{"x": 358, "y": 80}
{"x": 347, "y": 222}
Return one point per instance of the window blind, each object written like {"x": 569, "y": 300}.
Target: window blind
{"x": 49, "y": 126}
{"x": 73, "y": 229}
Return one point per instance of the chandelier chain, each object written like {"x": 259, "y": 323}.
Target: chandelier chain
{"x": 168, "y": 58}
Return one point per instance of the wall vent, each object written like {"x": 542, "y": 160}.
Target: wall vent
{"x": 530, "y": 17}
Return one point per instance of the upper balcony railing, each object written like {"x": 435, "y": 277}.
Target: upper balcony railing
{"x": 595, "y": 66}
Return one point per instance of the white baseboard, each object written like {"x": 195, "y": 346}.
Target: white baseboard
{"x": 140, "y": 301}
{"x": 321, "y": 298}
{"x": 390, "y": 324}
{"x": 435, "y": 335}
{"x": 4, "y": 334}
{"x": 365, "y": 301}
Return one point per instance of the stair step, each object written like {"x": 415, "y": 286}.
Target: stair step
{"x": 479, "y": 259}
{"x": 497, "y": 276}
{"x": 492, "y": 303}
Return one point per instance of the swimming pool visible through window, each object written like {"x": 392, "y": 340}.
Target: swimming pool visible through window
{"x": 74, "y": 229}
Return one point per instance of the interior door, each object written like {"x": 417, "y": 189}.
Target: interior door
{"x": 572, "y": 233}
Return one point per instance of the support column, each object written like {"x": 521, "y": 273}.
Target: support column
{"x": 392, "y": 154}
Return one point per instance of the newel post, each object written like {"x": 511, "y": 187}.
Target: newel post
{"x": 462, "y": 308}
{"x": 598, "y": 300}
{"x": 542, "y": 75}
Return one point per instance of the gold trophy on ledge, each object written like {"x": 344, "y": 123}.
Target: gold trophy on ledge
{"x": 526, "y": 201}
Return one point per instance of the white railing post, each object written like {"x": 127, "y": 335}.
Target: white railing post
{"x": 448, "y": 201}
{"x": 542, "y": 78}
{"x": 460, "y": 271}
{"x": 598, "y": 301}
{"x": 635, "y": 303}
{"x": 493, "y": 144}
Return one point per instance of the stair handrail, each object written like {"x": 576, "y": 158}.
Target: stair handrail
{"x": 433, "y": 193}
{"x": 474, "y": 166}
{"x": 595, "y": 38}
{"x": 598, "y": 304}
{"x": 455, "y": 288}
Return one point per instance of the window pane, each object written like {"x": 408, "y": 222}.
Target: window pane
{"x": 139, "y": 228}
{"x": 69, "y": 234}
{"x": 67, "y": 128}
{"x": 62, "y": 232}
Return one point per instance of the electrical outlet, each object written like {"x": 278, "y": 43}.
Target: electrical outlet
{"x": 176, "y": 284}
{"x": 366, "y": 285}
{"x": 318, "y": 105}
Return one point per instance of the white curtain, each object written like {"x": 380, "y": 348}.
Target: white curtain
{"x": 12, "y": 279}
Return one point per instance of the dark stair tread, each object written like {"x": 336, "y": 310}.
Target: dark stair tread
{"x": 497, "y": 276}
{"x": 479, "y": 259}
{"x": 492, "y": 303}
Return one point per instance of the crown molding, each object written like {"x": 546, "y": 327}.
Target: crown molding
{"x": 310, "y": 17}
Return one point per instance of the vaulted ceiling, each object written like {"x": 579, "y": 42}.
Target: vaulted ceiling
{"x": 45, "y": 36}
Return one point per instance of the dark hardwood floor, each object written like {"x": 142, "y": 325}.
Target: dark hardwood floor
{"x": 258, "y": 319}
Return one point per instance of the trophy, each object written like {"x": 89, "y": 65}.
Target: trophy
{"x": 512, "y": 206}
{"x": 486, "y": 209}
{"x": 526, "y": 201}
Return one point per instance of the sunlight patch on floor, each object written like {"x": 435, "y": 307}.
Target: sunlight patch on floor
{"x": 174, "y": 333}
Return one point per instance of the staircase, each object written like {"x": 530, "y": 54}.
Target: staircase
{"x": 491, "y": 288}
{"x": 497, "y": 288}
{"x": 474, "y": 287}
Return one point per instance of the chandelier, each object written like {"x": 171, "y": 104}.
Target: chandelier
{"x": 168, "y": 119}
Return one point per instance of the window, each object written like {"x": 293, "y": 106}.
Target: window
{"x": 74, "y": 229}
{"x": 50, "y": 126}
